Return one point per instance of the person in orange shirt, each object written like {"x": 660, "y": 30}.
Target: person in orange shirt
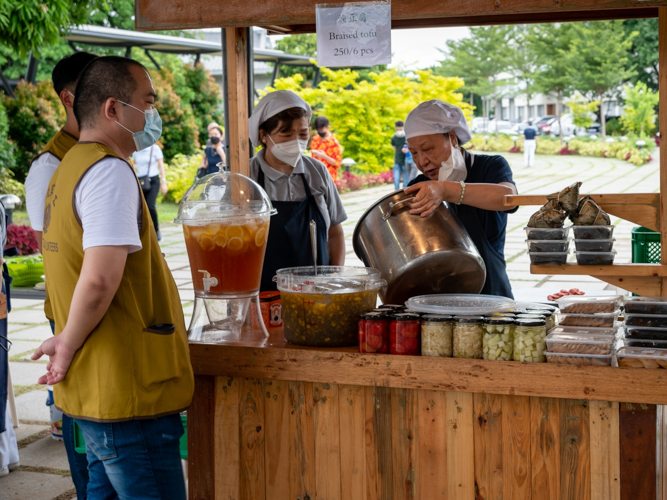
{"x": 326, "y": 148}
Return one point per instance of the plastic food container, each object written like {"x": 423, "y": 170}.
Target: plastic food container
{"x": 601, "y": 320}
{"x": 467, "y": 337}
{"x": 404, "y": 330}
{"x": 529, "y": 345}
{"x": 437, "y": 332}
{"x": 593, "y": 232}
{"x": 540, "y": 233}
{"x": 595, "y": 258}
{"x": 558, "y": 246}
{"x": 460, "y": 305}
{"x": 646, "y": 333}
{"x": 647, "y": 343}
{"x": 589, "y": 305}
{"x": 583, "y": 330}
{"x": 548, "y": 258}
{"x": 324, "y": 310}
{"x": 564, "y": 358}
{"x": 374, "y": 333}
{"x": 498, "y": 340}
{"x": 640, "y": 357}
{"x": 646, "y": 305}
{"x": 580, "y": 343}
{"x": 646, "y": 320}
{"x": 594, "y": 245}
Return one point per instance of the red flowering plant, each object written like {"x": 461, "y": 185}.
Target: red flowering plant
{"x": 23, "y": 238}
{"x": 347, "y": 181}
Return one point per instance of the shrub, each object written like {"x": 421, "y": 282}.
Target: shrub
{"x": 348, "y": 181}
{"x": 35, "y": 115}
{"x": 23, "y": 238}
{"x": 7, "y": 160}
{"x": 640, "y": 103}
{"x": 180, "y": 173}
{"x": 206, "y": 100}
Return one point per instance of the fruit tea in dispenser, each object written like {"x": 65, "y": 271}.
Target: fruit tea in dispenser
{"x": 225, "y": 218}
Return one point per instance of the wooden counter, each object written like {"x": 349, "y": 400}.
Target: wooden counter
{"x": 271, "y": 420}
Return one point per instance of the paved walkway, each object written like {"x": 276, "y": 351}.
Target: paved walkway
{"x": 44, "y": 472}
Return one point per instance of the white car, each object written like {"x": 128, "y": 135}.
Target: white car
{"x": 480, "y": 125}
{"x": 569, "y": 128}
{"x": 504, "y": 127}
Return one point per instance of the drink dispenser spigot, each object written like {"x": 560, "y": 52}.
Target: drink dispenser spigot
{"x": 225, "y": 218}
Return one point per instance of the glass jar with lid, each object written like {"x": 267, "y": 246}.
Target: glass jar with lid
{"x": 437, "y": 331}
{"x": 549, "y": 317}
{"x": 374, "y": 333}
{"x": 529, "y": 343}
{"x": 498, "y": 341}
{"x": 404, "y": 330}
{"x": 467, "y": 337}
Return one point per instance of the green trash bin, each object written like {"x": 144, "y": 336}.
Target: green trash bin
{"x": 645, "y": 246}
{"x": 80, "y": 443}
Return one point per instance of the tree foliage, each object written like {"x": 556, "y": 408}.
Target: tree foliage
{"x": 640, "y": 103}
{"x": 362, "y": 112}
{"x": 644, "y": 50}
{"x": 583, "y": 111}
{"x": 205, "y": 99}
{"x": 304, "y": 45}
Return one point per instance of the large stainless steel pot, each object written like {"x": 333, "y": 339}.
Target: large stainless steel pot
{"x": 417, "y": 255}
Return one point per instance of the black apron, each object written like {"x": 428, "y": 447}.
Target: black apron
{"x": 289, "y": 235}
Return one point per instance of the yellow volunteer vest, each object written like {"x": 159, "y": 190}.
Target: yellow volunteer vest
{"x": 124, "y": 370}
{"x": 58, "y": 146}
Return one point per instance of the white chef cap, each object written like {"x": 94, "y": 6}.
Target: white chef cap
{"x": 437, "y": 117}
{"x": 272, "y": 104}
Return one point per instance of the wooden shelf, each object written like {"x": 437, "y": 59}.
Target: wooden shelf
{"x": 624, "y": 270}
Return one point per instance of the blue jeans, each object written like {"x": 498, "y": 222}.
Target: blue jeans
{"x": 78, "y": 463}
{"x": 134, "y": 460}
{"x": 398, "y": 170}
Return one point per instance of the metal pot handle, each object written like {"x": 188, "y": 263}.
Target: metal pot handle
{"x": 392, "y": 205}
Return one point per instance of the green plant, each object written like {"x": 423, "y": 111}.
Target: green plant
{"x": 180, "y": 173}
{"x": 640, "y": 103}
{"x": 206, "y": 99}
{"x": 583, "y": 112}
{"x": 35, "y": 115}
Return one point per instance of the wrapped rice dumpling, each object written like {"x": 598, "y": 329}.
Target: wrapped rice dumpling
{"x": 568, "y": 198}
{"x": 549, "y": 216}
{"x": 590, "y": 214}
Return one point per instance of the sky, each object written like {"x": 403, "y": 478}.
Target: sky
{"x": 418, "y": 48}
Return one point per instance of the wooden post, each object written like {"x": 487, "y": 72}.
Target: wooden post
{"x": 662, "y": 30}
{"x": 238, "y": 156}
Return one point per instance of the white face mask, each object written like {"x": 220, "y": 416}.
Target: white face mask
{"x": 289, "y": 152}
{"x": 400, "y": 133}
{"x": 454, "y": 169}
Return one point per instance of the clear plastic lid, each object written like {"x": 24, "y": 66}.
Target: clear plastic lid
{"x": 584, "y": 304}
{"x": 461, "y": 304}
{"x": 581, "y": 338}
{"x": 583, "y": 330}
{"x": 328, "y": 280}
{"x": 642, "y": 357}
{"x": 436, "y": 318}
{"x": 222, "y": 196}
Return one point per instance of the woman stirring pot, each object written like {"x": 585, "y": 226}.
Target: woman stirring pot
{"x": 300, "y": 187}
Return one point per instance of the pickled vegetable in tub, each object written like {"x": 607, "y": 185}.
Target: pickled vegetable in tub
{"x": 498, "y": 340}
{"x": 529, "y": 340}
{"x": 374, "y": 333}
{"x": 404, "y": 330}
{"x": 436, "y": 335}
{"x": 467, "y": 337}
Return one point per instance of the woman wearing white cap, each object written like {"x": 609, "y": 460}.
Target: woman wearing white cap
{"x": 473, "y": 185}
{"x": 300, "y": 187}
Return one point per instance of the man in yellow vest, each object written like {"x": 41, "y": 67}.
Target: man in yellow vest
{"x": 119, "y": 361}
{"x": 64, "y": 77}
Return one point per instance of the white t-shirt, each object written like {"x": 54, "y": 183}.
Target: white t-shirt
{"x": 36, "y": 185}
{"x": 141, "y": 159}
{"x": 109, "y": 205}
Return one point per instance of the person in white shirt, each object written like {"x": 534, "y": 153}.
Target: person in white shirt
{"x": 149, "y": 166}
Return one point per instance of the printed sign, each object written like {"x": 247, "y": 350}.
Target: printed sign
{"x": 353, "y": 34}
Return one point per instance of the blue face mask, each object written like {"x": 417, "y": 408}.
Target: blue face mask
{"x": 152, "y": 129}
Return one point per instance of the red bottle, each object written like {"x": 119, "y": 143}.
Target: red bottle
{"x": 404, "y": 334}
{"x": 374, "y": 333}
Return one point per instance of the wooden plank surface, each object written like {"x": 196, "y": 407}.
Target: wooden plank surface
{"x": 353, "y": 441}
{"x": 647, "y": 270}
{"x": 327, "y": 432}
{"x": 637, "y": 428}
{"x": 575, "y": 472}
{"x": 345, "y": 366}
{"x": 488, "y": 437}
{"x": 545, "y": 448}
{"x": 201, "y": 450}
{"x": 238, "y": 156}
{"x": 251, "y": 427}
{"x": 605, "y": 451}
{"x": 301, "y": 441}
{"x": 460, "y": 449}
{"x": 404, "y": 434}
{"x": 432, "y": 424}
{"x": 516, "y": 447}
{"x": 662, "y": 114}
{"x": 380, "y": 486}
{"x": 226, "y": 438}
{"x": 276, "y": 439}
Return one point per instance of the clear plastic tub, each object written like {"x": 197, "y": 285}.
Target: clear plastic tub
{"x": 601, "y": 320}
{"x": 646, "y": 305}
{"x": 646, "y": 343}
{"x": 566, "y": 358}
{"x": 640, "y": 357}
{"x": 646, "y": 333}
{"x": 589, "y": 305}
{"x": 594, "y": 245}
{"x": 542, "y": 233}
{"x": 460, "y": 304}
{"x": 595, "y": 258}
{"x": 548, "y": 258}
{"x": 593, "y": 232}
{"x": 583, "y": 330}
{"x": 552, "y": 246}
{"x": 580, "y": 343}
{"x": 646, "y": 320}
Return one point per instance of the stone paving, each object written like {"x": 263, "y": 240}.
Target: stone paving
{"x": 44, "y": 471}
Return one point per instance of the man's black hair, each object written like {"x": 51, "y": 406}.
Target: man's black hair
{"x": 321, "y": 122}
{"x": 399, "y": 123}
{"x": 69, "y": 69}
{"x": 103, "y": 78}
